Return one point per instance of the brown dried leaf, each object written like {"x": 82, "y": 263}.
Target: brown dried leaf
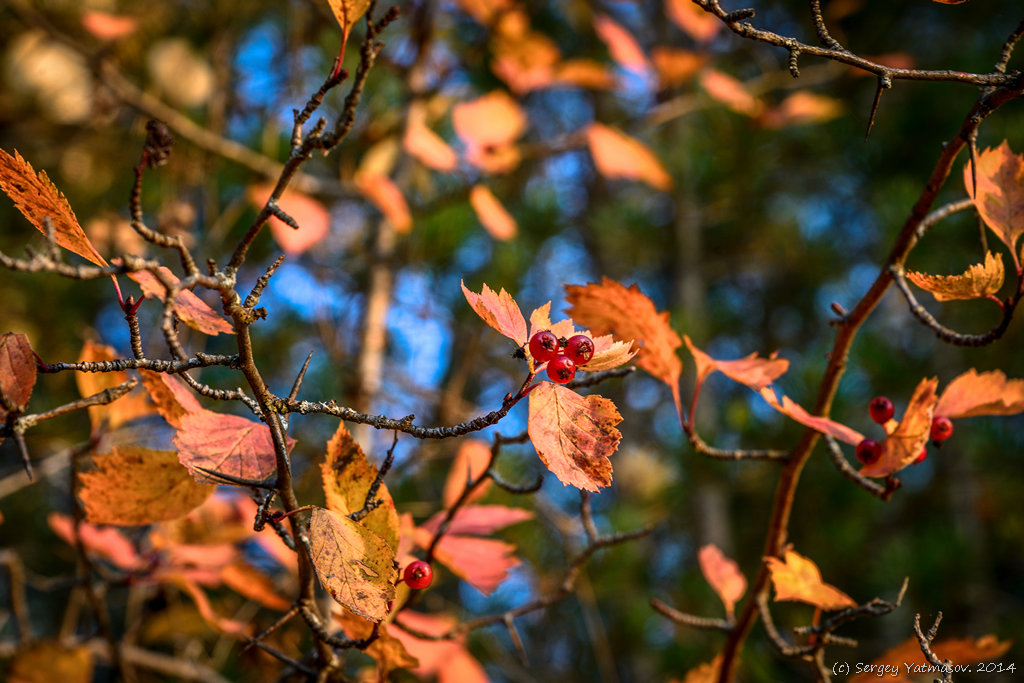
{"x": 499, "y": 310}
{"x": 909, "y": 438}
{"x": 987, "y": 393}
{"x": 621, "y": 44}
{"x": 617, "y": 155}
{"x": 755, "y": 372}
{"x": 999, "y": 198}
{"x": 612, "y": 308}
{"x": 355, "y": 565}
{"x": 980, "y": 280}
{"x": 192, "y": 310}
{"x": 133, "y": 485}
{"x": 574, "y": 435}
{"x": 494, "y": 217}
{"x": 793, "y": 410}
{"x": 798, "y": 578}
{"x": 46, "y": 661}
{"x": 347, "y": 477}
{"x": 172, "y": 396}
{"x": 724, "y": 576}
{"x": 126, "y": 408}
{"x": 17, "y": 371}
{"x": 37, "y": 199}
{"x": 227, "y": 444}
{"x": 706, "y": 672}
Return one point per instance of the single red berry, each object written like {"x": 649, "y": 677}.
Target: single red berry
{"x": 869, "y": 451}
{"x": 942, "y": 428}
{"x": 920, "y": 458}
{"x": 418, "y": 574}
{"x": 881, "y": 409}
{"x": 544, "y": 346}
{"x": 580, "y": 348}
{"x": 561, "y": 369}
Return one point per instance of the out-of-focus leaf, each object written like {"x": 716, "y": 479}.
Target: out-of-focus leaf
{"x": 908, "y": 653}
{"x": 471, "y": 460}
{"x": 622, "y": 46}
{"x": 798, "y": 578}
{"x": 980, "y": 280}
{"x": 312, "y": 217}
{"x": 384, "y": 194}
{"x": 801, "y": 108}
{"x": 448, "y": 659}
{"x": 387, "y": 650}
{"x": 618, "y": 155}
{"x": 427, "y": 146}
{"x": 46, "y": 661}
{"x": 724, "y": 576}
{"x": 126, "y": 408}
{"x": 489, "y": 125}
{"x": 676, "y": 66}
{"x": 105, "y": 542}
{"x": 700, "y": 25}
{"x": 172, "y": 396}
{"x": 730, "y": 92}
{"x": 107, "y": 26}
{"x": 494, "y": 217}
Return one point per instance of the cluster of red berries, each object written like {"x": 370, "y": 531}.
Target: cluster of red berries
{"x": 561, "y": 355}
{"x": 418, "y": 574}
{"x": 881, "y": 411}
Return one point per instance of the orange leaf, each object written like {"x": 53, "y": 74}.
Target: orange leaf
{"x": 617, "y": 155}
{"x": 956, "y": 650}
{"x": 17, "y": 371}
{"x": 700, "y": 25}
{"x": 798, "y": 578}
{"x": 313, "y": 219}
{"x": 251, "y": 583}
{"x": 706, "y": 672}
{"x": 724, "y": 576}
{"x": 999, "y": 198}
{"x": 37, "y": 199}
{"x": 126, "y": 408}
{"x": 910, "y": 436}
{"x": 498, "y": 222}
{"x": 355, "y": 565}
{"x": 347, "y": 477}
{"x": 172, "y": 397}
{"x": 192, "y": 310}
{"x": 204, "y": 607}
{"x": 730, "y": 92}
{"x": 106, "y": 542}
{"x": 448, "y": 659}
{"x": 132, "y": 485}
{"x": 980, "y": 280}
{"x": 987, "y": 393}
{"x": 822, "y": 424}
{"x": 523, "y": 58}
{"x": 106, "y": 26}
{"x": 951, "y": 2}
{"x": 227, "y": 444}
{"x": 384, "y": 194}
{"x": 500, "y": 311}
{"x": 45, "y": 661}
{"x": 610, "y": 307}
{"x": 585, "y": 73}
{"x": 802, "y": 107}
{"x": 493, "y": 120}
{"x": 471, "y": 460}
{"x": 622, "y": 46}
{"x": 574, "y": 435}
{"x": 347, "y": 13}
{"x": 756, "y": 373}
{"x": 386, "y": 649}
{"x": 675, "y": 66}
{"x": 428, "y": 146}
{"x": 484, "y": 11}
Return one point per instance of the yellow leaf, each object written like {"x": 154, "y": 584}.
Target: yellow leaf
{"x": 798, "y": 578}
{"x": 980, "y": 280}
{"x": 348, "y": 12}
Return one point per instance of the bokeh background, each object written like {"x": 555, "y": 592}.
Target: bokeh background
{"x": 765, "y": 226}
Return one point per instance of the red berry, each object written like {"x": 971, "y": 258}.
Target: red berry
{"x": 561, "y": 369}
{"x": 881, "y": 409}
{"x": 942, "y": 428}
{"x": 869, "y": 451}
{"x": 418, "y": 574}
{"x": 920, "y": 458}
{"x": 544, "y": 346}
{"x": 580, "y": 348}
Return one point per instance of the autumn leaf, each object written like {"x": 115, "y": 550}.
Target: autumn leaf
{"x": 999, "y": 197}
{"x": 950, "y": 2}
{"x": 706, "y": 672}
{"x": 980, "y": 280}
{"x": 987, "y": 393}
{"x": 347, "y": 477}
{"x": 471, "y": 460}
{"x": 17, "y": 371}
{"x": 730, "y": 92}
{"x": 347, "y": 13}
{"x": 489, "y": 126}
{"x": 724, "y": 576}
{"x": 312, "y": 217}
{"x": 355, "y": 565}
{"x": 107, "y": 26}
{"x": 499, "y": 310}
{"x": 617, "y": 155}
{"x": 46, "y": 661}
{"x": 676, "y": 66}
{"x": 384, "y": 194}
{"x": 610, "y": 307}
{"x": 37, "y": 199}
{"x": 909, "y": 438}
{"x": 801, "y": 108}
{"x": 107, "y": 542}
{"x": 477, "y": 520}
{"x": 525, "y": 59}
{"x": 426, "y": 145}
{"x": 447, "y": 659}
{"x": 126, "y": 408}
{"x": 795, "y": 411}
{"x": 753, "y": 371}
{"x": 798, "y": 578}
{"x": 621, "y": 44}
{"x": 227, "y": 444}
{"x": 192, "y": 310}
{"x": 574, "y": 435}
{"x": 172, "y": 396}
{"x": 956, "y": 650}
{"x": 253, "y": 584}
{"x": 584, "y": 73}
{"x": 388, "y": 651}
{"x": 700, "y": 25}
{"x": 498, "y": 222}
{"x": 132, "y": 485}
{"x": 191, "y": 588}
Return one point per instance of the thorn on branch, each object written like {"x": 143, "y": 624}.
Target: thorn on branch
{"x": 884, "y": 83}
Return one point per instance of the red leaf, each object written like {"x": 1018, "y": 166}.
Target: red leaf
{"x": 478, "y": 520}
{"x": 724, "y": 576}
{"x": 499, "y": 310}
{"x": 17, "y": 371}
{"x": 106, "y": 26}
{"x": 106, "y": 542}
{"x": 192, "y": 310}
{"x": 822, "y": 424}
{"x": 617, "y": 155}
{"x": 752, "y": 371}
{"x": 313, "y": 218}
{"x": 798, "y": 578}
{"x": 622, "y": 46}
{"x": 37, "y": 199}
{"x": 574, "y": 435}
{"x": 227, "y": 444}
{"x": 471, "y": 460}
{"x": 172, "y": 396}
{"x": 987, "y": 393}
{"x": 448, "y": 659}
{"x": 956, "y": 650}
{"x": 999, "y": 198}
{"x": 910, "y": 436}
{"x": 494, "y": 217}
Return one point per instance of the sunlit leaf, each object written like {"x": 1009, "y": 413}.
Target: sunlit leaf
{"x": 427, "y": 146}
{"x": 617, "y": 155}
{"x": 17, "y": 371}
{"x": 126, "y": 408}
{"x": 471, "y": 460}
{"x": 46, "y": 661}
{"x": 106, "y": 542}
{"x": 793, "y": 410}
{"x": 227, "y": 444}
{"x": 700, "y": 25}
{"x": 584, "y": 73}
{"x": 255, "y": 585}
{"x": 347, "y": 13}
{"x": 676, "y": 66}
{"x": 192, "y": 310}
{"x": 801, "y": 108}
{"x": 798, "y": 578}
{"x": 384, "y": 194}
{"x": 608, "y": 352}
{"x": 753, "y": 371}
{"x": 622, "y": 46}
{"x": 489, "y": 125}
{"x": 705, "y": 673}
{"x": 312, "y": 217}
{"x": 494, "y": 217}
{"x": 999, "y": 198}
{"x": 980, "y": 280}
{"x": 960, "y": 651}
{"x": 499, "y": 310}
{"x": 171, "y": 395}
{"x": 387, "y": 650}
{"x": 730, "y": 92}
{"x": 724, "y": 576}
{"x": 905, "y": 443}
{"x": 447, "y": 659}
{"x": 107, "y": 26}
{"x": 986, "y": 393}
